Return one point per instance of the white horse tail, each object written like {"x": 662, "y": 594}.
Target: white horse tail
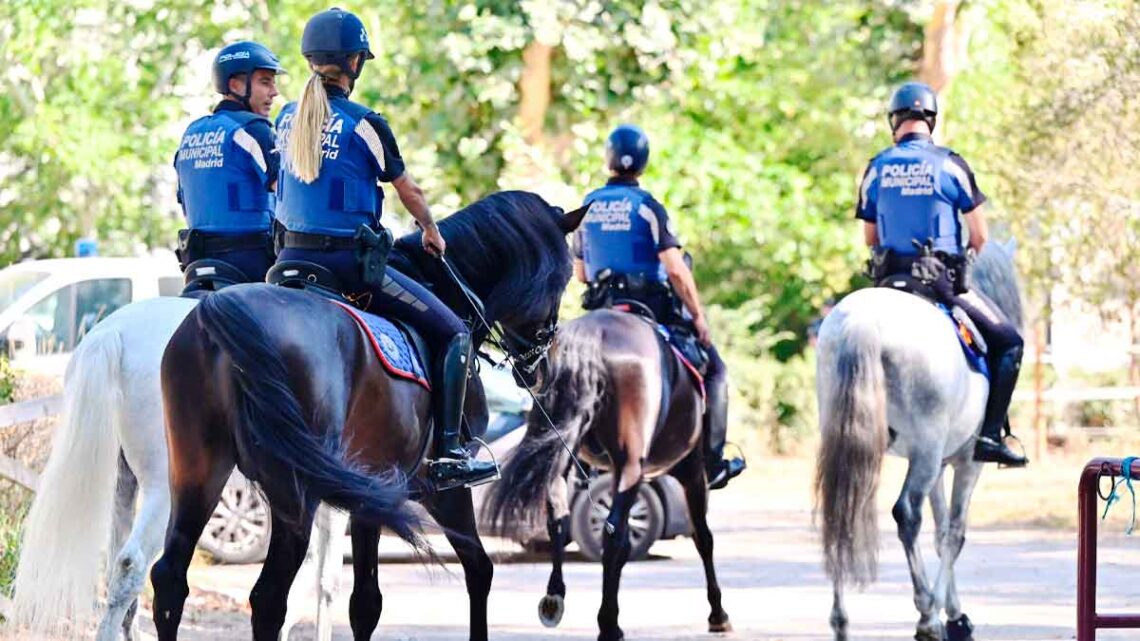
{"x": 853, "y": 424}
{"x": 68, "y": 528}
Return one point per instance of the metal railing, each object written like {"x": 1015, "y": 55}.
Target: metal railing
{"x": 1089, "y": 495}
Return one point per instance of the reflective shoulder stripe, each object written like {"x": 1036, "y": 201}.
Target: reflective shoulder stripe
{"x": 955, "y": 170}
{"x": 651, "y": 218}
{"x": 372, "y": 140}
{"x": 865, "y": 188}
{"x": 249, "y": 144}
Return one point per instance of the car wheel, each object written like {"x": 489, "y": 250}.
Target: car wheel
{"x": 238, "y": 530}
{"x": 646, "y": 519}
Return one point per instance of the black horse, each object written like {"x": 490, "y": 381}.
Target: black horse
{"x": 284, "y": 384}
{"x": 626, "y": 403}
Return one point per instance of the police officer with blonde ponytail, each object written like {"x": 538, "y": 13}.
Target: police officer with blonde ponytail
{"x": 335, "y": 154}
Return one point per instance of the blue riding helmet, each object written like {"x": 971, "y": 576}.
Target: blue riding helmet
{"x": 627, "y": 150}
{"x": 333, "y": 37}
{"x": 242, "y": 57}
{"x": 913, "y": 101}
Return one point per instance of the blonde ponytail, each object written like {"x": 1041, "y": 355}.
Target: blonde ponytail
{"x": 305, "y": 149}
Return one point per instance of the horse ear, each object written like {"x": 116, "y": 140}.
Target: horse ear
{"x": 570, "y": 221}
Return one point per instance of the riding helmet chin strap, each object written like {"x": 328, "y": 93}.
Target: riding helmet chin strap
{"x": 514, "y": 367}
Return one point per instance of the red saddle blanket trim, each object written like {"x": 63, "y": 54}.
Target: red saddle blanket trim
{"x": 392, "y": 369}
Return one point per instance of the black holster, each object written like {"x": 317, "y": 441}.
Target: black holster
{"x": 929, "y": 268}
{"x": 372, "y": 253}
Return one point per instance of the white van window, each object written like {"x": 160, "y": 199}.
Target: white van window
{"x": 65, "y": 316}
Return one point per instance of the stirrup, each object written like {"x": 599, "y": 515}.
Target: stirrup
{"x": 999, "y": 445}
{"x": 446, "y": 473}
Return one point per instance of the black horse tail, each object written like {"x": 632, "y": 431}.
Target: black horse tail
{"x": 572, "y": 394}
{"x": 275, "y": 441}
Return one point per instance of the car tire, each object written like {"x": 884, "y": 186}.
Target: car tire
{"x": 646, "y": 519}
{"x": 238, "y": 530}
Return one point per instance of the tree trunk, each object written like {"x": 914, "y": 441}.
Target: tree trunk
{"x": 943, "y": 50}
{"x": 534, "y": 91}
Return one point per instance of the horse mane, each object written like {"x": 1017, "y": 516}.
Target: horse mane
{"x": 510, "y": 249}
{"x": 995, "y": 276}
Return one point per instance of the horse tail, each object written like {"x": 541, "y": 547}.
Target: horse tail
{"x": 572, "y": 394}
{"x": 273, "y": 433}
{"x": 853, "y": 422}
{"x": 63, "y": 540}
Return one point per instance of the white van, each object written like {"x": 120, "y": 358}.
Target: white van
{"x": 46, "y": 306}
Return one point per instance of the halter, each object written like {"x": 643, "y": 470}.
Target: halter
{"x": 537, "y": 352}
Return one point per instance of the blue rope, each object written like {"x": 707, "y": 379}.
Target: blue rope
{"x": 1113, "y": 497}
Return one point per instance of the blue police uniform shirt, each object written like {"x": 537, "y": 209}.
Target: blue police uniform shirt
{"x": 226, "y": 163}
{"x": 623, "y": 231}
{"x": 914, "y": 191}
{"x": 358, "y": 149}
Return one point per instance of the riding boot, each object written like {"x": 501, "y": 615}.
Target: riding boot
{"x": 454, "y": 466}
{"x": 719, "y": 471}
{"x": 990, "y": 447}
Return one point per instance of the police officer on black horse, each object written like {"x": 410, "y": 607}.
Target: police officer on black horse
{"x": 626, "y": 249}
{"x": 337, "y": 152}
{"x": 912, "y": 200}
{"x": 227, "y": 167}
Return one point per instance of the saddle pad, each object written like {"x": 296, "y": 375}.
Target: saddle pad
{"x": 392, "y": 347}
{"x": 976, "y": 359}
{"x": 693, "y": 371}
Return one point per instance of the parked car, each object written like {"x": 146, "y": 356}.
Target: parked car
{"x": 239, "y": 529}
{"x": 47, "y": 306}
{"x": 658, "y": 512}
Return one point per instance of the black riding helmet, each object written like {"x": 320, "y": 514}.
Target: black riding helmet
{"x": 627, "y": 150}
{"x": 334, "y": 37}
{"x": 243, "y": 57}
{"x": 913, "y": 101}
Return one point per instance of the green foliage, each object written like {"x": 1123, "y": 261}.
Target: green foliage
{"x": 762, "y": 114}
{"x": 7, "y": 381}
{"x": 10, "y": 523}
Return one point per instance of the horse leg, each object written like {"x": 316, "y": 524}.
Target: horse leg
{"x": 197, "y": 485}
{"x": 115, "y": 617}
{"x": 317, "y": 572}
{"x": 920, "y": 478}
{"x": 129, "y": 567}
{"x": 691, "y": 472}
{"x": 270, "y": 596}
{"x": 366, "y": 602}
{"x": 455, "y": 513}
{"x": 553, "y": 605}
{"x": 838, "y": 613}
{"x": 330, "y": 561}
{"x": 966, "y": 475}
{"x": 616, "y": 547}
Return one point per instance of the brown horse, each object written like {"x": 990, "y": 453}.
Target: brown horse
{"x": 624, "y": 401}
{"x": 284, "y": 384}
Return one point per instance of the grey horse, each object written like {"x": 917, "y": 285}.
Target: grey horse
{"x": 892, "y": 378}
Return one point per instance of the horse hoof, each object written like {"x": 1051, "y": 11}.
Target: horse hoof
{"x": 960, "y": 629}
{"x": 929, "y": 634}
{"x": 720, "y": 627}
{"x": 550, "y": 610}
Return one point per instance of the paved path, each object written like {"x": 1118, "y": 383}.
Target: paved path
{"x": 1016, "y": 584}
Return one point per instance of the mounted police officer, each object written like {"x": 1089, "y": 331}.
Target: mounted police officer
{"x": 227, "y": 167}
{"x": 912, "y": 201}
{"x": 336, "y": 152}
{"x": 627, "y": 241}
